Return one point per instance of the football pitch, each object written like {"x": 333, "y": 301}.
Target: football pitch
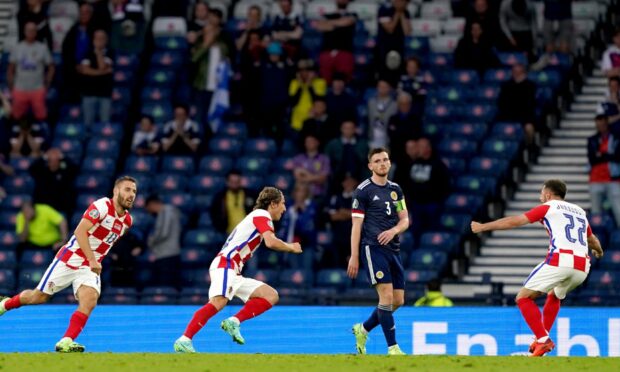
{"x": 292, "y": 362}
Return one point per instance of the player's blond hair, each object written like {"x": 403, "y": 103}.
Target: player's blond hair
{"x": 267, "y": 196}
{"x": 125, "y": 178}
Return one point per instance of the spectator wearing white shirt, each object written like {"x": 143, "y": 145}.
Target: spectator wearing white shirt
{"x": 181, "y": 136}
{"x": 610, "y": 64}
{"x": 146, "y": 139}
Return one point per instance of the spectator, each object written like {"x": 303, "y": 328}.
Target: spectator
{"x": 232, "y": 204}
{"x": 312, "y": 167}
{"x": 40, "y": 226}
{"x": 414, "y": 83}
{"x": 27, "y": 77}
{"x": 403, "y": 126}
{"x": 253, "y": 24}
{"x": 28, "y": 139}
{"x": 474, "y": 51}
{"x": 75, "y": 46}
{"x": 5, "y": 108}
{"x": 128, "y": 26}
{"x": 519, "y": 89}
{"x": 339, "y": 210}
{"x": 394, "y": 25}
{"x": 610, "y": 64}
{"x": 124, "y": 259}
{"x": 319, "y": 123}
{"x": 338, "y": 30}
{"x": 425, "y": 180}
{"x": 433, "y": 296}
{"x": 181, "y": 136}
{"x": 208, "y": 52}
{"x": 287, "y": 29}
{"x": 198, "y": 22}
{"x": 482, "y": 13}
{"x": 298, "y": 225}
{"x": 36, "y": 12}
{"x": 380, "y": 109}
{"x": 275, "y": 75}
{"x": 604, "y": 158}
{"x": 54, "y": 176}
{"x": 557, "y": 30}
{"x": 341, "y": 104}
{"x": 611, "y": 106}
{"x": 303, "y": 90}
{"x": 97, "y": 82}
{"x": 146, "y": 139}
{"x": 164, "y": 242}
{"x": 518, "y": 23}
{"x": 348, "y": 153}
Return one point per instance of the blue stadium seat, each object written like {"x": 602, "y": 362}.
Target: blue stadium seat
{"x": 156, "y": 94}
{"x": 560, "y": 60}
{"x": 21, "y": 164}
{"x": 158, "y": 295}
{"x": 268, "y": 276}
{"x": 614, "y": 240}
{"x": 289, "y": 148}
{"x": 206, "y": 238}
{"x": 458, "y": 223}
{"x": 488, "y": 166}
{"x": 121, "y": 96}
{"x": 478, "y": 112}
{"x": 486, "y": 93}
{"x": 196, "y": 278}
{"x": 206, "y": 184}
{"x": 194, "y": 296}
{"x": 73, "y": 131}
{"x": 476, "y": 184}
{"x": 334, "y": 278}
{"x": 462, "y": 77}
{"x": 8, "y": 260}
{"x": 216, "y": 165}
{"x": 602, "y": 223}
{"x": 497, "y": 76}
{"x": 504, "y": 149}
{"x": 36, "y": 258}
{"x": 204, "y": 220}
{"x": 251, "y": 164}
{"x": 167, "y": 59}
{"x": 550, "y": 78}
{"x": 428, "y": 259}
{"x": 160, "y": 77}
{"x": 457, "y": 147}
{"x": 464, "y": 203}
{"x": 263, "y": 147}
{"x": 195, "y": 257}
{"x": 14, "y": 202}
{"x": 511, "y": 58}
{"x": 71, "y": 114}
{"x": 440, "y": 241}
{"x": 225, "y": 146}
{"x": 144, "y": 183}
{"x": 19, "y": 184}
{"x": 170, "y": 182}
{"x": 112, "y": 131}
{"x": 70, "y": 147}
{"x": 84, "y": 200}
{"x": 604, "y": 279}
{"x": 233, "y": 129}
{"x": 296, "y": 278}
{"x": 253, "y": 183}
{"x": 30, "y": 277}
{"x": 282, "y": 165}
{"x": 123, "y": 78}
{"x": 452, "y": 94}
{"x": 7, "y": 278}
{"x": 181, "y": 200}
{"x": 141, "y": 164}
{"x": 170, "y": 43}
{"x": 469, "y": 131}
{"x": 440, "y": 60}
{"x": 98, "y": 183}
{"x": 268, "y": 259}
{"x": 178, "y": 164}
{"x": 418, "y": 278}
{"x": 7, "y": 219}
{"x": 419, "y": 46}
{"x": 103, "y": 166}
{"x": 103, "y": 147}
{"x": 611, "y": 259}
{"x": 507, "y": 131}
{"x": 160, "y": 111}
{"x": 283, "y": 181}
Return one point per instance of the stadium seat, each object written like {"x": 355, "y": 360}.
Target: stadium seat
{"x": 121, "y": 96}
{"x": 487, "y": 93}
{"x": 548, "y": 77}
{"x": 30, "y": 277}
{"x": 419, "y": 278}
{"x": 167, "y": 59}
{"x": 463, "y": 203}
{"x": 417, "y": 45}
{"x": 7, "y": 219}
{"x": 196, "y": 278}
{"x": 436, "y": 10}
{"x": 249, "y": 165}
{"x": 444, "y": 43}
{"x": 20, "y": 164}
{"x": 178, "y": 164}
{"x": 440, "y": 113}
{"x": 334, "y": 278}
{"x": 14, "y": 202}
{"x": 216, "y": 165}
{"x": 71, "y": 131}
{"x": 98, "y": 183}
{"x": 194, "y": 257}
{"x": 458, "y": 223}
{"x": 511, "y": 58}
{"x": 318, "y": 8}
{"x": 470, "y": 131}
{"x": 181, "y": 200}
{"x": 452, "y": 94}
{"x": 8, "y": 259}
{"x": 146, "y": 165}
{"x": 193, "y": 296}
{"x": 428, "y": 259}
{"x": 504, "y": 149}
{"x": 282, "y": 165}
{"x": 19, "y": 184}
{"x": 160, "y": 111}
{"x": 84, "y": 200}
{"x": 170, "y": 182}
{"x": 603, "y": 279}
{"x": 155, "y": 94}
{"x": 507, "y": 131}
{"x": 123, "y": 78}
{"x": 206, "y": 238}
{"x": 103, "y": 166}
{"x": 206, "y": 184}
{"x": 7, "y": 278}
{"x": 453, "y": 26}
{"x": 103, "y": 147}
{"x": 252, "y": 183}
{"x": 36, "y": 258}
{"x": 610, "y": 261}
{"x": 440, "y": 241}
{"x": 457, "y": 147}
{"x": 283, "y": 181}
{"x": 296, "y": 278}
{"x": 112, "y": 131}
{"x": 489, "y": 167}
{"x": 204, "y": 220}
{"x": 477, "y": 184}
{"x": 425, "y": 27}
{"x": 170, "y": 43}
{"x": 225, "y": 146}
{"x": 456, "y": 165}
{"x": 497, "y": 76}
{"x": 263, "y": 147}
{"x": 478, "y": 112}
{"x": 270, "y": 277}
{"x": 233, "y": 130}
{"x": 158, "y": 295}
{"x": 169, "y": 26}
{"x": 439, "y": 61}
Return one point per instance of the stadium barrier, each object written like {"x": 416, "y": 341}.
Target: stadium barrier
{"x": 315, "y": 330}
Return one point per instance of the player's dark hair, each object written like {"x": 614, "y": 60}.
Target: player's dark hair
{"x": 377, "y": 150}
{"x": 557, "y": 187}
{"x": 433, "y": 285}
{"x": 125, "y": 178}
{"x": 600, "y": 117}
{"x": 267, "y": 196}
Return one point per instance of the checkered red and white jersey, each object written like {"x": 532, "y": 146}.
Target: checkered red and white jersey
{"x": 244, "y": 240}
{"x": 107, "y": 228}
{"x": 568, "y": 230}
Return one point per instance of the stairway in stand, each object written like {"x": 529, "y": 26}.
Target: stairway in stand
{"x": 509, "y": 256}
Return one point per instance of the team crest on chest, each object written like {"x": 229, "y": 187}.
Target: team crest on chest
{"x": 394, "y": 195}
{"x": 118, "y": 226}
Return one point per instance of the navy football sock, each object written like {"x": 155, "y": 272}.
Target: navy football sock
{"x": 372, "y": 321}
{"x": 387, "y": 323}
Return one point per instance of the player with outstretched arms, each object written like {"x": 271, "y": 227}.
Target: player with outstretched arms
{"x": 225, "y": 271}
{"x": 379, "y": 215}
{"x": 78, "y": 262}
{"x": 567, "y": 263}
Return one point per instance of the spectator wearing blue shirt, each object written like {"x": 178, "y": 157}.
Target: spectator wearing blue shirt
{"x": 286, "y": 28}
{"x": 298, "y": 225}
{"x": 146, "y": 139}
{"x": 75, "y": 47}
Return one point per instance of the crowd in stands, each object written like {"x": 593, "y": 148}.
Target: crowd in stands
{"x": 206, "y": 102}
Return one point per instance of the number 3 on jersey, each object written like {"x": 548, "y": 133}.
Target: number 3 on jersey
{"x": 388, "y": 209}
{"x": 571, "y": 225}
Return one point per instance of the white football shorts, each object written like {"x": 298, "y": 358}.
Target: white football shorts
{"x": 59, "y": 276}
{"x": 227, "y": 283}
{"x": 561, "y": 279}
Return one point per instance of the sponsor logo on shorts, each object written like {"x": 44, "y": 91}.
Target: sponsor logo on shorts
{"x": 379, "y": 274}
{"x": 51, "y": 285}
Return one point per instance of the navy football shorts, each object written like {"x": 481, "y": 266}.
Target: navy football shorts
{"x": 383, "y": 266}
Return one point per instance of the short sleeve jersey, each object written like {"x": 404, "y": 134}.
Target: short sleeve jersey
{"x": 379, "y": 207}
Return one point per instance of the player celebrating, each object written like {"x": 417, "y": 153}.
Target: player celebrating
{"x": 567, "y": 263}
{"x": 379, "y": 216}
{"x": 78, "y": 262}
{"x": 225, "y": 271}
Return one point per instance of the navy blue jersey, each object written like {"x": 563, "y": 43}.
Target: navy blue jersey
{"x": 379, "y": 206}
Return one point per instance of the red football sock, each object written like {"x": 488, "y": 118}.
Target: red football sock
{"x": 551, "y": 310}
{"x": 254, "y": 307}
{"x": 76, "y": 324}
{"x": 201, "y": 316}
{"x": 13, "y": 303}
{"x": 532, "y": 316}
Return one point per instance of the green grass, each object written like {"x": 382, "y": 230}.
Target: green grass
{"x": 266, "y": 362}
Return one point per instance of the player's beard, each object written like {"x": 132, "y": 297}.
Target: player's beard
{"x": 382, "y": 173}
{"x": 125, "y": 203}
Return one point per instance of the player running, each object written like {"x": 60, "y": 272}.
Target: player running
{"x": 567, "y": 263}
{"x": 78, "y": 262}
{"x": 225, "y": 271}
{"x": 379, "y": 216}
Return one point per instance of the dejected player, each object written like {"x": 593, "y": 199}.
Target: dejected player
{"x": 225, "y": 271}
{"x": 567, "y": 263}
{"x": 379, "y": 216}
{"x": 78, "y": 262}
